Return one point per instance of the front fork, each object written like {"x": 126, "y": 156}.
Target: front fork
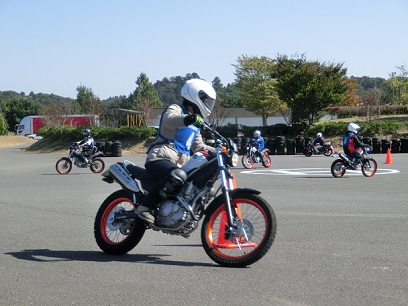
{"x": 228, "y": 183}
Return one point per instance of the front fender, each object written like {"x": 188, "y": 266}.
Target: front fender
{"x": 237, "y": 192}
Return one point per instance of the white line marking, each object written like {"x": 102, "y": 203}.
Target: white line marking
{"x": 312, "y": 171}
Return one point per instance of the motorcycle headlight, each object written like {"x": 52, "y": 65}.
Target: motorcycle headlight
{"x": 233, "y": 159}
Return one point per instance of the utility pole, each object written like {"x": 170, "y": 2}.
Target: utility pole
{"x": 393, "y": 85}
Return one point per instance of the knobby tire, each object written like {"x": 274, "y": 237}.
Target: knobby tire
{"x": 120, "y": 238}
{"x": 242, "y": 250}
{"x": 63, "y": 165}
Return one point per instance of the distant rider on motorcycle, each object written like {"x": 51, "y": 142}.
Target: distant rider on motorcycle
{"x": 178, "y": 135}
{"x": 257, "y": 142}
{"x": 87, "y": 141}
{"x": 351, "y": 143}
{"x": 318, "y": 142}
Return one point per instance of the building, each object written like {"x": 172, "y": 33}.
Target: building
{"x": 239, "y": 116}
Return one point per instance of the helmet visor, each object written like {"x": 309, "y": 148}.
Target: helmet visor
{"x": 207, "y": 101}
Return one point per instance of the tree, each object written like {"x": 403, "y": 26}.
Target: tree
{"x": 17, "y": 108}
{"x": 310, "y": 87}
{"x": 169, "y": 88}
{"x": 370, "y": 102}
{"x": 398, "y": 87}
{"x": 2, "y": 124}
{"x": 56, "y": 114}
{"x": 145, "y": 96}
{"x": 258, "y": 86}
{"x": 230, "y": 96}
{"x": 88, "y": 103}
{"x": 219, "y": 113}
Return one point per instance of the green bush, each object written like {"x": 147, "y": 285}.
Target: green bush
{"x": 99, "y": 133}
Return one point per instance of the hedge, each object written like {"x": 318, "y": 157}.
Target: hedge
{"x": 99, "y": 133}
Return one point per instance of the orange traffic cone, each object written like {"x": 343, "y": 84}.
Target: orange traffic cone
{"x": 388, "y": 160}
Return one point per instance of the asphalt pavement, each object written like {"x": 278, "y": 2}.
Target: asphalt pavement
{"x": 340, "y": 241}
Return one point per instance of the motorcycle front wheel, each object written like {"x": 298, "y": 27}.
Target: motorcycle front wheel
{"x": 97, "y": 165}
{"x": 266, "y": 160}
{"x": 247, "y": 161}
{"x": 117, "y": 237}
{"x": 369, "y": 167}
{"x": 338, "y": 168}
{"x": 63, "y": 165}
{"x": 251, "y": 239}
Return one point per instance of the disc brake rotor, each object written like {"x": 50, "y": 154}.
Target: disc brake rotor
{"x": 243, "y": 232}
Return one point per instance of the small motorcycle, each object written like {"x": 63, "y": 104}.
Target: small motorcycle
{"x": 327, "y": 149}
{"x": 238, "y": 228}
{"x": 64, "y": 164}
{"x": 250, "y": 157}
{"x": 367, "y": 164}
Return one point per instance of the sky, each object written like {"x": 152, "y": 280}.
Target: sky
{"x": 49, "y": 46}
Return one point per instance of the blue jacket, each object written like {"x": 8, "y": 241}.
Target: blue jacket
{"x": 258, "y": 143}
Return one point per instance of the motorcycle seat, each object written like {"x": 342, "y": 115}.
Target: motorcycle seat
{"x": 137, "y": 172}
{"x": 141, "y": 174}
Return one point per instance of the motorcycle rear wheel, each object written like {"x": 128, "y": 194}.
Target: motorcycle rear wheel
{"x": 266, "y": 160}
{"x": 247, "y": 161}
{"x": 308, "y": 152}
{"x": 369, "y": 167}
{"x": 97, "y": 165}
{"x": 63, "y": 165}
{"x": 338, "y": 168}
{"x": 117, "y": 238}
{"x": 257, "y": 222}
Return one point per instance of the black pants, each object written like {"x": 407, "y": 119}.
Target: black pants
{"x": 160, "y": 171}
{"x": 80, "y": 156}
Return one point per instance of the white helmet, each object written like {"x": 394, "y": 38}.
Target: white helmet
{"x": 319, "y": 134}
{"x": 353, "y": 127}
{"x": 257, "y": 133}
{"x": 201, "y": 94}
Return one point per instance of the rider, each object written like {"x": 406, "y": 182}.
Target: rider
{"x": 318, "y": 142}
{"x": 178, "y": 135}
{"x": 86, "y": 151}
{"x": 257, "y": 142}
{"x": 351, "y": 143}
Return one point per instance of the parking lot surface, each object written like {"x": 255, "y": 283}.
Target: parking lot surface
{"x": 340, "y": 241}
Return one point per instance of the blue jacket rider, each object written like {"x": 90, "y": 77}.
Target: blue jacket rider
{"x": 257, "y": 142}
{"x": 351, "y": 143}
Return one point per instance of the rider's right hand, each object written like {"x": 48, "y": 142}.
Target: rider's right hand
{"x": 193, "y": 119}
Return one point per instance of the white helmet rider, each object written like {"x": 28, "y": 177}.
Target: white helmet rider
{"x": 201, "y": 95}
{"x": 319, "y": 135}
{"x": 257, "y": 133}
{"x": 353, "y": 127}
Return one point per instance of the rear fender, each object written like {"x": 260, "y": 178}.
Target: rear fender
{"x": 116, "y": 173}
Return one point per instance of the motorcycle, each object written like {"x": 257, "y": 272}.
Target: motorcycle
{"x": 250, "y": 157}
{"x": 64, "y": 164}
{"x": 327, "y": 149}
{"x": 367, "y": 164}
{"x": 238, "y": 227}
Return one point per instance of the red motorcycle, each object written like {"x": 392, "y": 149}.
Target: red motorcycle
{"x": 327, "y": 149}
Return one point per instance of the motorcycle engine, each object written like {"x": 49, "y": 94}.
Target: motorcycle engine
{"x": 170, "y": 214}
